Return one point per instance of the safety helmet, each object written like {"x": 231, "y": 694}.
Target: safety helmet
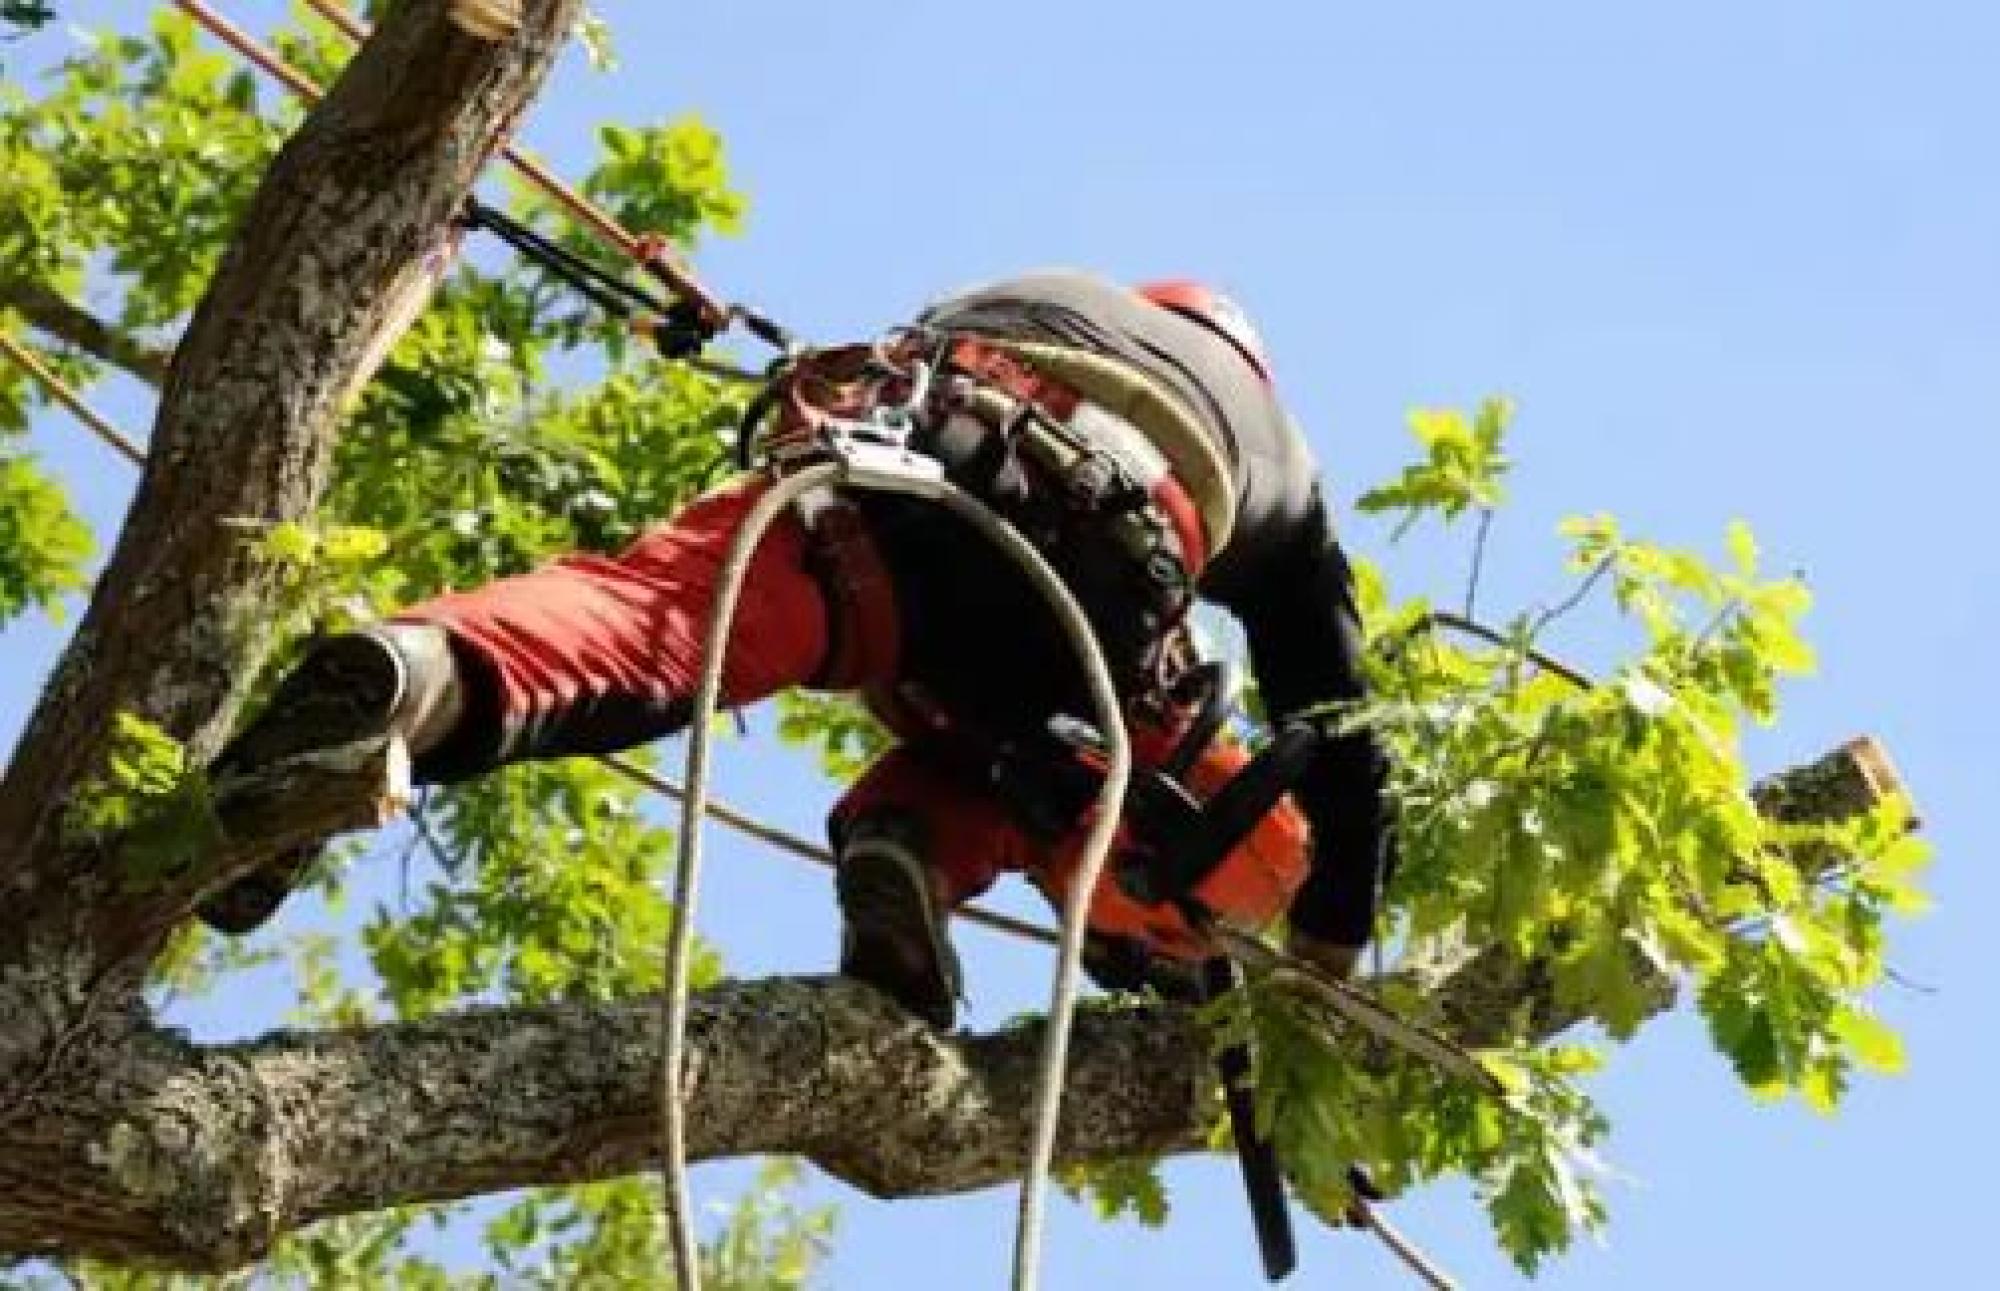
{"x": 1215, "y": 311}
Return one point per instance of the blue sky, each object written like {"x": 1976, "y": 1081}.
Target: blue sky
{"x": 1731, "y": 260}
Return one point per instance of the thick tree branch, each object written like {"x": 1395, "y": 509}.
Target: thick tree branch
{"x": 57, "y": 317}
{"x": 351, "y": 218}
{"x": 201, "y": 1158}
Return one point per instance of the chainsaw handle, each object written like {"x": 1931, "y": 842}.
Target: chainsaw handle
{"x": 1236, "y": 808}
{"x": 1217, "y": 683}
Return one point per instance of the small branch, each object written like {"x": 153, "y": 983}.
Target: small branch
{"x": 1478, "y": 560}
{"x": 1909, "y": 983}
{"x": 1472, "y": 628}
{"x": 1479, "y": 993}
{"x": 54, "y": 315}
{"x": 1574, "y": 599}
{"x": 1715, "y": 624}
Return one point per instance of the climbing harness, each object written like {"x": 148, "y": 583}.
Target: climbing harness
{"x": 868, "y": 448}
{"x": 1019, "y": 420}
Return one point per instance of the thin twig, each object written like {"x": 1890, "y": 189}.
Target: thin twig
{"x": 1575, "y": 598}
{"x": 1715, "y": 624}
{"x": 1478, "y": 560}
{"x": 53, "y": 314}
{"x": 1473, "y": 628}
{"x": 1909, "y": 983}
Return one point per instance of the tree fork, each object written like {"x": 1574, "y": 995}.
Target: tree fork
{"x": 347, "y": 227}
{"x": 343, "y": 233}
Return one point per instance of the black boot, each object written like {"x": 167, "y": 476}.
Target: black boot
{"x": 395, "y": 678}
{"x": 893, "y": 929}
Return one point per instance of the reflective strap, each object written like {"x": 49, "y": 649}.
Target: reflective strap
{"x": 1199, "y": 464}
{"x": 1150, "y": 467}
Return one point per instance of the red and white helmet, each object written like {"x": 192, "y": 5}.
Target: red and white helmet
{"x": 1215, "y": 311}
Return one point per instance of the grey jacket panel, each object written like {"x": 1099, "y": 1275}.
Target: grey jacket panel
{"x": 1273, "y": 468}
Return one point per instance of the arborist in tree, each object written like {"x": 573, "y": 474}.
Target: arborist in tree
{"x": 1133, "y": 435}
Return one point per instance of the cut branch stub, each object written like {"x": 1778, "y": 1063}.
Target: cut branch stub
{"x": 1477, "y": 992}
{"x": 292, "y": 806}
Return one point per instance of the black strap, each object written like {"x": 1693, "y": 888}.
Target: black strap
{"x": 680, "y": 331}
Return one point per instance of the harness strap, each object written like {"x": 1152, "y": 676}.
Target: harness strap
{"x": 863, "y": 636}
{"x": 997, "y": 364}
{"x": 1084, "y": 445}
{"x": 989, "y": 363}
{"x": 1200, "y": 465}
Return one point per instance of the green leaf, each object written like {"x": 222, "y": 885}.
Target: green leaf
{"x": 1119, "y": 1188}
{"x": 1462, "y": 468}
{"x": 1742, "y": 548}
{"x": 1873, "y": 1044}
{"x": 43, "y": 545}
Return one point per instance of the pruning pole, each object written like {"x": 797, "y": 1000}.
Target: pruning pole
{"x": 649, "y": 252}
{"x": 59, "y": 390}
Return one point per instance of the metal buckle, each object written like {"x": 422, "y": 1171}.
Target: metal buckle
{"x": 875, "y": 449}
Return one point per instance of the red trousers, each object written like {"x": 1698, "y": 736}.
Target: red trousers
{"x": 594, "y": 653}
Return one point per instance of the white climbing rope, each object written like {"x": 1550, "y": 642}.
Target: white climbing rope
{"x": 680, "y": 934}
{"x": 1111, "y": 795}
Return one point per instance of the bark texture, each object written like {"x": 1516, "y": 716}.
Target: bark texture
{"x": 201, "y": 1158}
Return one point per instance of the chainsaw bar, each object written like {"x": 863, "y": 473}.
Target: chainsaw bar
{"x": 1359, "y": 1008}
